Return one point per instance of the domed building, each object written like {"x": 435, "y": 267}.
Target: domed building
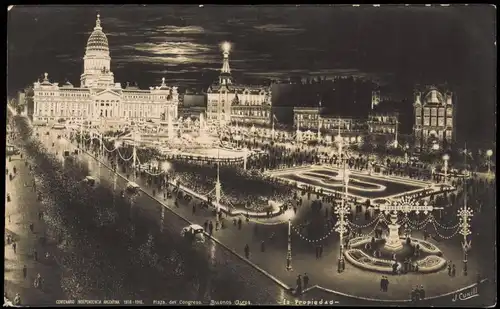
{"x": 434, "y": 127}
{"x": 99, "y": 99}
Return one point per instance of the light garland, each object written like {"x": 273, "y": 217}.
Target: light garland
{"x": 445, "y": 237}
{"x": 365, "y": 225}
{"x": 313, "y": 240}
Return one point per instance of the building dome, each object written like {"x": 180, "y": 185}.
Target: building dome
{"x": 98, "y": 42}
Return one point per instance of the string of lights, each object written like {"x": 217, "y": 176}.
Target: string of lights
{"x": 313, "y": 240}
{"x": 442, "y": 236}
{"x": 365, "y": 225}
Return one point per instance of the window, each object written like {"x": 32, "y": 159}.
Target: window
{"x": 441, "y": 121}
{"x": 433, "y": 121}
{"x": 449, "y": 122}
{"x": 426, "y": 121}
{"x": 449, "y": 112}
{"x": 434, "y": 111}
{"x": 441, "y": 112}
{"x": 426, "y": 111}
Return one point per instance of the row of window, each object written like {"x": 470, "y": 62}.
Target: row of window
{"x": 433, "y": 121}
{"x": 251, "y": 113}
{"x": 434, "y": 111}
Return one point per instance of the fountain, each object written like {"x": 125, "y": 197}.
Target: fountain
{"x": 393, "y": 242}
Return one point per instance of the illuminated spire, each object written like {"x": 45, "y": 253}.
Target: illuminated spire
{"x": 98, "y": 23}
{"x": 225, "y": 76}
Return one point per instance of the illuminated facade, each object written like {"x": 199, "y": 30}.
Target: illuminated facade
{"x": 99, "y": 98}
{"x": 434, "y": 126}
{"x": 231, "y": 103}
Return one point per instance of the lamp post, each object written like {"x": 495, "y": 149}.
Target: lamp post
{"x": 289, "y": 248}
{"x": 489, "y": 153}
{"x": 465, "y": 214}
{"x": 341, "y": 211}
{"x": 446, "y": 157}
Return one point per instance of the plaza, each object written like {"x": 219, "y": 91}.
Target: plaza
{"x": 362, "y": 186}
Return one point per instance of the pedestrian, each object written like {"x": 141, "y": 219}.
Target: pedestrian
{"x": 299, "y": 285}
{"x": 321, "y": 250}
{"x": 262, "y": 246}
{"x": 217, "y": 225}
{"x": 449, "y": 268}
{"x": 32, "y": 227}
{"x": 17, "y": 300}
{"x": 194, "y": 209}
{"x": 25, "y": 272}
{"x": 205, "y": 225}
{"x": 382, "y": 283}
{"x": 240, "y": 222}
{"x": 14, "y": 246}
{"x": 453, "y": 270}
{"x": 9, "y": 216}
{"x": 247, "y": 251}
{"x": 386, "y": 285}
{"x": 306, "y": 281}
{"x": 35, "y": 255}
{"x": 210, "y": 227}
{"x": 422, "y": 292}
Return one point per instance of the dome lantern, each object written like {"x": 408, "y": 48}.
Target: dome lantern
{"x": 98, "y": 42}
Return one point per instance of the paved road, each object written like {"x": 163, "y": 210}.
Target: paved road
{"x": 324, "y": 271}
{"x": 221, "y": 274}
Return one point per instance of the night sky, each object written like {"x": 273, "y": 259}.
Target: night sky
{"x": 399, "y": 45}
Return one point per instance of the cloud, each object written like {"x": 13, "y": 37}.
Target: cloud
{"x": 171, "y": 48}
{"x": 278, "y": 28}
{"x": 181, "y": 30}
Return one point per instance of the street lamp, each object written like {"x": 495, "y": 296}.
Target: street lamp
{"x": 435, "y": 146}
{"x": 489, "y": 153}
{"x": 289, "y": 249}
{"x": 446, "y": 157}
{"x": 342, "y": 224}
{"x": 465, "y": 214}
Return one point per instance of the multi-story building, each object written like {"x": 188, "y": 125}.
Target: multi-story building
{"x": 434, "y": 119}
{"x": 229, "y": 102}
{"x": 312, "y": 119}
{"x": 193, "y": 104}
{"x": 99, "y": 98}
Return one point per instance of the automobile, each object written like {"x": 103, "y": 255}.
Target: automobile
{"x": 59, "y": 126}
{"x": 90, "y": 181}
{"x": 193, "y": 232}
{"x": 132, "y": 187}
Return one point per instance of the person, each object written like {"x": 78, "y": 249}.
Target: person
{"x": 239, "y": 223}
{"x": 382, "y": 283}
{"x": 31, "y": 227}
{"x": 386, "y": 285}
{"x": 14, "y": 246}
{"x": 306, "y": 280}
{"x": 247, "y": 251}
{"x": 17, "y": 300}
{"x": 320, "y": 251}
{"x": 217, "y": 225}
{"x": 25, "y": 272}
{"x": 35, "y": 255}
{"x": 299, "y": 285}
{"x": 262, "y": 246}
{"x": 453, "y": 270}
{"x": 194, "y": 209}
{"x": 449, "y": 268}
{"x": 422, "y": 292}
{"x": 205, "y": 225}
{"x": 9, "y": 218}
{"x": 210, "y": 227}
{"x": 413, "y": 295}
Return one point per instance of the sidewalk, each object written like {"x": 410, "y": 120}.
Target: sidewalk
{"x": 19, "y": 213}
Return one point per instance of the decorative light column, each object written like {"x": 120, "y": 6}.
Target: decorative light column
{"x": 134, "y": 154}
{"x": 289, "y": 248}
{"x": 446, "y": 157}
{"x": 489, "y": 153}
{"x": 465, "y": 214}
{"x": 341, "y": 211}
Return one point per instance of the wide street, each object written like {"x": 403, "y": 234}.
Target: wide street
{"x": 322, "y": 271}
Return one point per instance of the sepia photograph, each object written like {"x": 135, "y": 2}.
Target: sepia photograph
{"x": 236, "y": 155}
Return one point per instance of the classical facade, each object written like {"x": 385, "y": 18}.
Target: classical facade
{"x": 434, "y": 127}
{"x": 232, "y": 103}
{"x": 99, "y": 98}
